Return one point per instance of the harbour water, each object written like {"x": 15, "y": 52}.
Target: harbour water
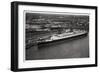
{"x": 68, "y": 48}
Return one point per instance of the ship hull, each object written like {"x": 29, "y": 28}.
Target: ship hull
{"x": 63, "y": 39}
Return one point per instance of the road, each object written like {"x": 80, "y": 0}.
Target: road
{"x": 76, "y": 48}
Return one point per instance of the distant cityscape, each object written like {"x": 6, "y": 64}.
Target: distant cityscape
{"x": 45, "y": 21}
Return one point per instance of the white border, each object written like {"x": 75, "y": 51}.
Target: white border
{"x": 56, "y": 62}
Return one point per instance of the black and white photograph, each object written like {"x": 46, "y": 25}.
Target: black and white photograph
{"x": 56, "y": 35}
{"x": 52, "y": 36}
